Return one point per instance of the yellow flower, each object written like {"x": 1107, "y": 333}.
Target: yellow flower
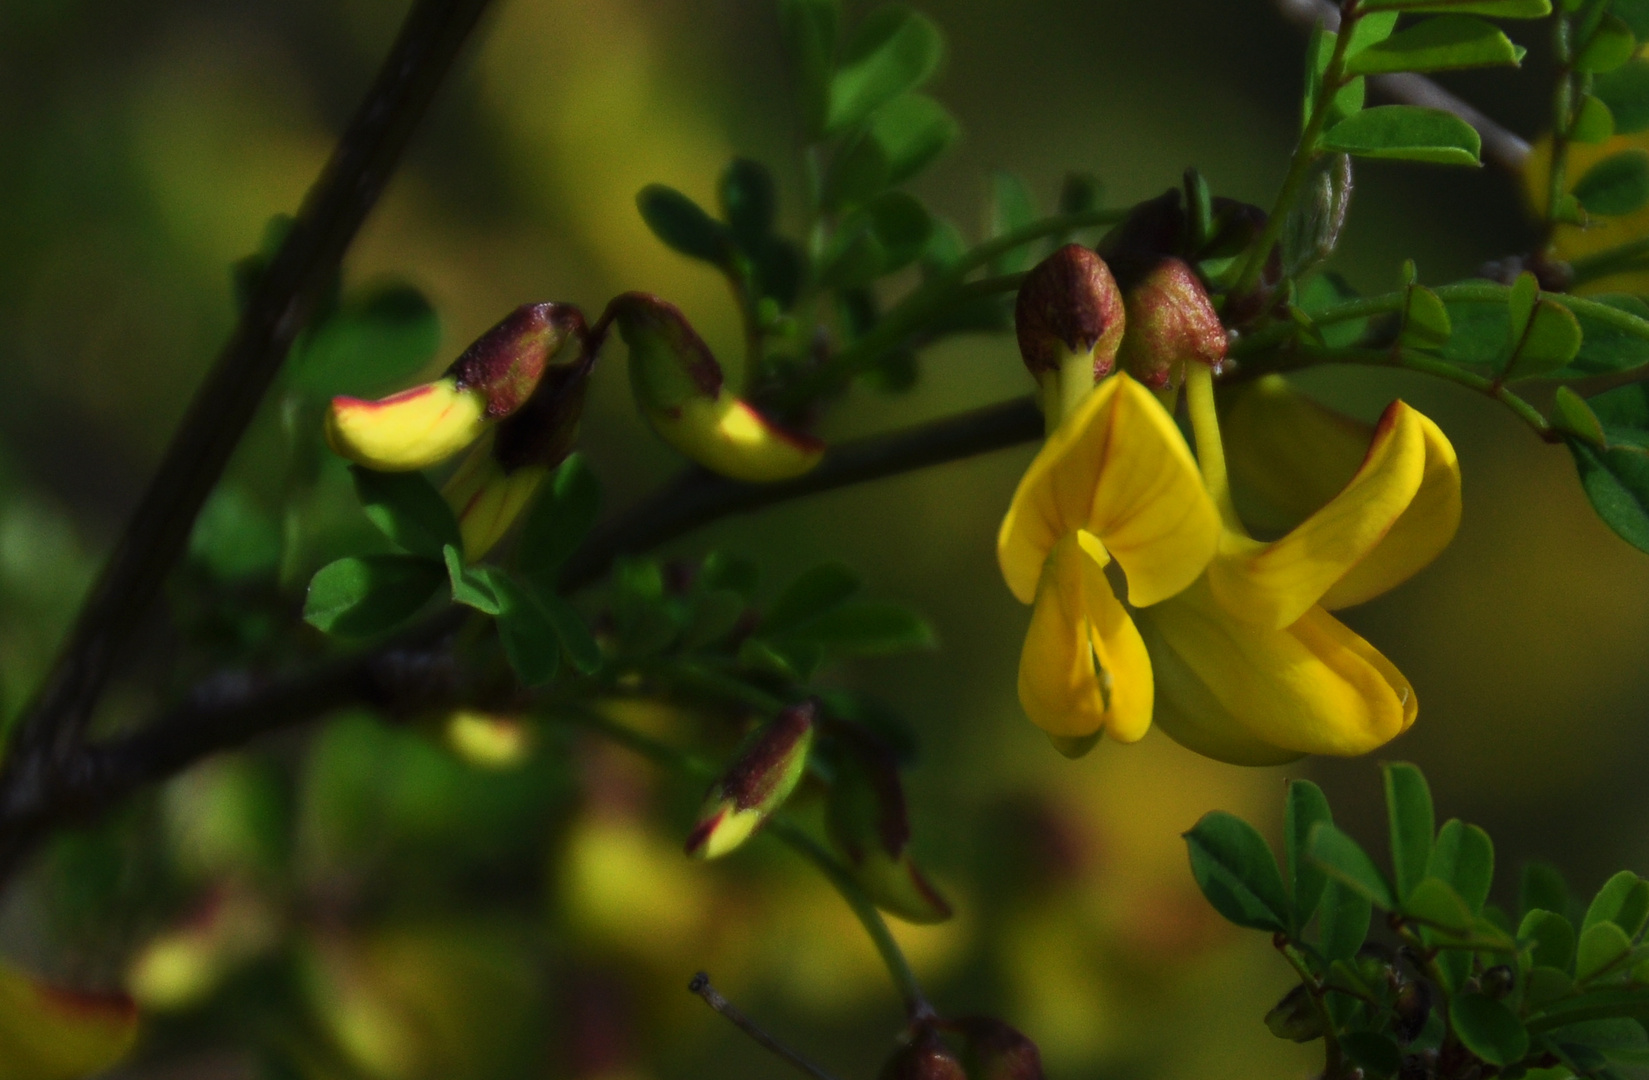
{"x": 1115, "y": 481}
{"x": 1225, "y": 640}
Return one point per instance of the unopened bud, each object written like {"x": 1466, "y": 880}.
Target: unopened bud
{"x": 679, "y": 388}
{"x": 762, "y": 776}
{"x": 1170, "y": 323}
{"x": 1069, "y": 321}
{"x": 998, "y": 1051}
{"x": 924, "y": 1057}
{"x": 506, "y": 362}
{"x": 427, "y": 424}
{"x": 1296, "y": 1017}
{"x": 495, "y": 483}
{"x": 486, "y": 498}
{"x": 865, "y": 817}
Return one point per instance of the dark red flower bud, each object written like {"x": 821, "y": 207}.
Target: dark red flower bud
{"x": 924, "y": 1057}
{"x": 1170, "y": 322}
{"x": 998, "y": 1051}
{"x": 506, "y": 362}
{"x": 1069, "y": 306}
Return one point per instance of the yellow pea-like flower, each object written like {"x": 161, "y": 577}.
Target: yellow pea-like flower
{"x": 1154, "y": 603}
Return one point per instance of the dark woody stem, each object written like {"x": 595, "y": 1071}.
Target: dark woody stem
{"x": 54, "y": 726}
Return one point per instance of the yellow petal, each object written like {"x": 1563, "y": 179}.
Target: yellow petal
{"x": 1256, "y": 696}
{"x": 411, "y": 430}
{"x": 1084, "y": 668}
{"x": 1119, "y": 468}
{"x": 1272, "y": 585}
{"x": 1415, "y": 538}
{"x": 1286, "y": 454}
{"x": 487, "y": 500}
{"x": 727, "y": 436}
{"x": 52, "y": 1034}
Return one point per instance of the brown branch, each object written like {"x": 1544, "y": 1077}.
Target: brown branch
{"x": 1501, "y": 145}
{"x": 413, "y": 670}
{"x": 54, "y": 727}
{"x": 696, "y": 497}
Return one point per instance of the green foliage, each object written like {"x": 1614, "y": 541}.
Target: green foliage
{"x": 1619, "y": 184}
{"x": 357, "y": 597}
{"x": 1409, "y": 132}
{"x": 1546, "y": 994}
{"x": 406, "y": 508}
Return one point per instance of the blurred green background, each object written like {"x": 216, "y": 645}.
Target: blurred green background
{"x": 407, "y": 914}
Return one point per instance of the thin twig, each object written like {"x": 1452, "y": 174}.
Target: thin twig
{"x": 1501, "y": 145}
{"x": 234, "y": 707}
{"x": 285, "y": 297}
{"x": 701, "y": 986}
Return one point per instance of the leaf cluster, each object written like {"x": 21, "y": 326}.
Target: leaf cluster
{"x": 1456, "y": 983}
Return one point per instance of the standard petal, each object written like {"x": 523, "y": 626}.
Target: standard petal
{"x": 1255, "y": 696}
{"x": 1084, "y": 668}
{"x": 1273, "y": 585}
{"x": 1119, "y": 468}
{"x": 1286, "y": 454}
{"x": 1418, "y": 536}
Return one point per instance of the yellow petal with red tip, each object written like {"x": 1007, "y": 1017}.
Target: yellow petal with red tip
{"x": 1253, "y": 696}
{"x": 1119, "y": 468}
{"x": 486, "y": 499}
{"x": 1273, "y": 585}
{"x": 727, "y": 436}
{"x": 1084, "y": 668}
{"x": 52, "y": 1034}
{"x": 1418, "y": 536}
{"x": 411, "y": 430}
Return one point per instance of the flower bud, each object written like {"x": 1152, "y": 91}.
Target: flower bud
{"x": 865, "y": 817}
{"x": 51, "y": 1033}
{"x": 506, "y": 363}
{"x": 924, "y": 1057}
{"x": 679, "y": 388}
{"x": 1296, "y": 1017}
{"x": 493, "y": 485}
{"x": 767, "y": 769}
{"x": 1170, "y": 323}
{"x": 998, "y": 1051}
{"x": 427, "y": 424}
{"x": 1069, "y": 320}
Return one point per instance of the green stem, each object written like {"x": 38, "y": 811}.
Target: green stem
{"x": 786, "y": 832}
{"x": 1305, "y": 153}
{"x": 1441, "y": 369}
{"x": 1562, "y": 118}
{"x": 928, "y": 300}
{"x": 916, "y": 1003}
{"x": 1331, "y": 1042}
